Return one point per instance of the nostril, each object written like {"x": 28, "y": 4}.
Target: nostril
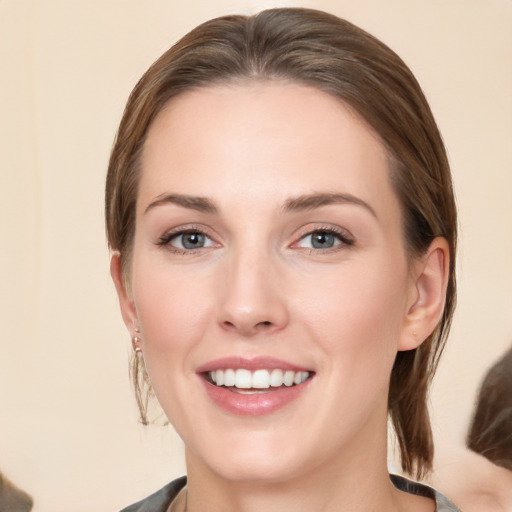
{"x": 266, "y": 323}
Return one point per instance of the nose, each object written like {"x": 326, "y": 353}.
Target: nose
{"x": 252, "y": 300}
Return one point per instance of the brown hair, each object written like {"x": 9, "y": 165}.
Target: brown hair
{"x": 316, "y": 49}
{"x": 490, "y": 432}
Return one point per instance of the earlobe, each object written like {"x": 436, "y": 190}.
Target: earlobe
{"x": 126, "y": 303}
{"x": 428, "y": 295}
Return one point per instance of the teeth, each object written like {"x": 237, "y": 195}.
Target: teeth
{"x": 289, "y": 378}
{"x": 276, "y": 378}
{"x": 259, "y": 379}
{"x": 229, "y": 378}
{"x": 242, "y": 379}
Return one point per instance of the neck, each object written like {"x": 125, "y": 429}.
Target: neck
{"x": 317, "y": 492}
{"x": 358, "y": 482}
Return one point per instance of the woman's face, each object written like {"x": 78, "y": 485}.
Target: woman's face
{"x": 268, "y": 250}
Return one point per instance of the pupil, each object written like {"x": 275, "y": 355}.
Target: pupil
{"x": 322, "y": 240}
{"x": 193, "y": 240}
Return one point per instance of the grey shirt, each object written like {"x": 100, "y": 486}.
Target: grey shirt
{"x": 160, "y": 500}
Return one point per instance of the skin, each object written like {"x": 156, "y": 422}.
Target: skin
{"x": 473, "y": 483}
{"x": 258, "y": 287}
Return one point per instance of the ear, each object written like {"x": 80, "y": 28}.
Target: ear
{"x": 126, "y": 302}
{"x": 427, "y": 294}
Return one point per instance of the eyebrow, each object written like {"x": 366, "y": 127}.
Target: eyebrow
{"x": 300, "y": 203}
{"x": 201, "y": 204}
{"x": 319, "y": 199}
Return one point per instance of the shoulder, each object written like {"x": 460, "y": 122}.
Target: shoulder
{"x": 160, "y": 500}
{"x": 443, "y": 504}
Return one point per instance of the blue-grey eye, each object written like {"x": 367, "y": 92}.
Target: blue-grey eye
{"x": 187, "y": 240}
{"x": 323, "y": 240}
{"x": 192, "y": 240}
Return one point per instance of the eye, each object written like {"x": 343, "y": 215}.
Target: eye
{"x": 324, "y": 239}
{"x": 187, "y": 240}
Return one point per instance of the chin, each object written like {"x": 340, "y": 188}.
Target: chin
{"x": 245, "y": 457}
{"x": 254, "y": 470}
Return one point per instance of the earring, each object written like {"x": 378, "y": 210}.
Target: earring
{"x": 137, "y": 330}
{"x": 135, "y": 344}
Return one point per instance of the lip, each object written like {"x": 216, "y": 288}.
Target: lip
{"x": 257, "y": 404}
{"x": 255, "y": 363}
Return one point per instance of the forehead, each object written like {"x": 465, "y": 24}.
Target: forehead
{"x": 277, "y": 138}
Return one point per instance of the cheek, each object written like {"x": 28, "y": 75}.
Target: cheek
{"x": 170, "y": 307}
{"x": 171, "y": 314}
{"x": 359, "y": 311}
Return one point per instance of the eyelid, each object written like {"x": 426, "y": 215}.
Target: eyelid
{"x": 165, "y": 239}
{"x": 346, "y": 238}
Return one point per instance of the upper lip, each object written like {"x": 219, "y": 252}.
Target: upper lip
{"x": 255, "y": 363}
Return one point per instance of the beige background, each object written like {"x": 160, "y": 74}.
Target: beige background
{"x": 68, "y": 425}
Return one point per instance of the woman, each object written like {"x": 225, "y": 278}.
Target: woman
{"x": 280, "y": 210}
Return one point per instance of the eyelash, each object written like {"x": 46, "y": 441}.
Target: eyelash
{"x": 345, "y": 240}
{"x": 165, "y": 240}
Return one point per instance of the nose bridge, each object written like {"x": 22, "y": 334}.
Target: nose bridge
{"x": 252, "y": 300}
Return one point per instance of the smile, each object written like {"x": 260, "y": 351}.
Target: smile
{"x": 256, "y": 386}
{"x": 261, "y": 379}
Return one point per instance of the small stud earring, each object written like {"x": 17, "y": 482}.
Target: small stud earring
{"x": 137, "y": 330}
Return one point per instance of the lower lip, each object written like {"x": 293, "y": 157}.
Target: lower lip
{"x": 256, "y": 404}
